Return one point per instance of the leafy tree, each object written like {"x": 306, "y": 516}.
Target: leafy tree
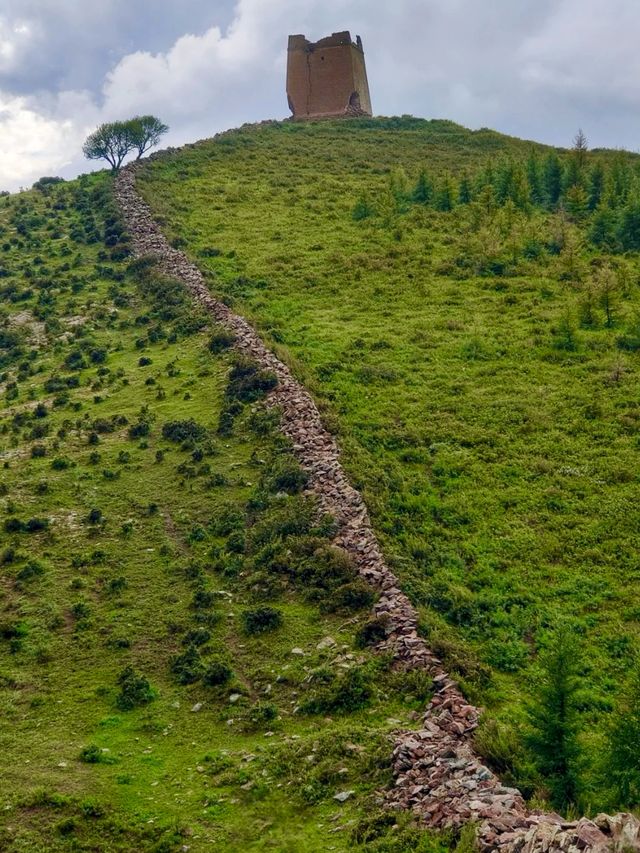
{"x": 111, "y": 142}
{"x": 553, "y": 722}
{"x": 146, "y": 132}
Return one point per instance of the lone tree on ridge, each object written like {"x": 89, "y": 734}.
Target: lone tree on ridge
{"x": 146, "y": 132}
{"x": 112, "y": 141}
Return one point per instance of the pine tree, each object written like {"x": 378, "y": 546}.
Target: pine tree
{"x": 464, "y": 189}
{"x": 363, "y": 208}
{"x": 603, "y": 230}
{"x": 571, "y": 176}
{"x": 399, "y": 188}
{"x": 607, "y": 289}
{"x": 629, "y": 226}
{"x": 553, "y": 721}
{"x": 623, "y": 752}
{"x": 552, "y": 180}
{"x": 423, "y": 190}
{"x": 576, "y": 202}
{"x": 444, "y": 195}
{"x": 596, "y": 186}
{"x": 504, "y": 181}
{"x": 520, "y": 191}
{"x": 580, "y": 148}
{"x": 534, "y": 179}
{"x": 619, "y": 182}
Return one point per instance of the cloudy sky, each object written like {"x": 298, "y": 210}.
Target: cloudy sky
{"x": 533, "y": 68}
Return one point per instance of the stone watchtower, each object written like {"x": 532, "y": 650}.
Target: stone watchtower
{"x": 327, "y": 78}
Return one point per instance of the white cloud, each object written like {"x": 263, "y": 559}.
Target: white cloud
{"x": 537, "y": 68}
{"x": 32, "y": 144}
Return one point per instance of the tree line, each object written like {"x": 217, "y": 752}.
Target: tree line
{"x": 603, "y": 197}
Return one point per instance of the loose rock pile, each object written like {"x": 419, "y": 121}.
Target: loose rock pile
{"x": 437, "y": 774}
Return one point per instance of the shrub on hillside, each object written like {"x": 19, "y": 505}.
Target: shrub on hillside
{"x": 349, "y": 597}
{"x": 248, "y": 382}
{"x": 188, "y": 430}
{"x": 286, "y": 475}
{"x": 188, "y": 666}
{"x": 91, "y": 754}
{"x": 261, "y": 619}
{"x": 217, "y": 674}
{"x": 135, "y": 690}
{"x": 30, "y": 571}
{"x": 373, "y": 631}
{"x": 220, "y": 340}
{"x": 342, "y": 693}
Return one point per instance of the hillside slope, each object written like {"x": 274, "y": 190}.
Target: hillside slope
{"x": 465, "y": 308}
{"x": 159, "y": 690}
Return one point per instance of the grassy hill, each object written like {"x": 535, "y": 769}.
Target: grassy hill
{"x": 465, "y": 307}
{"x": 160, "y": 691}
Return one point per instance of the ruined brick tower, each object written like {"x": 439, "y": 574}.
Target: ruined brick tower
{"x": 327, "y": 78}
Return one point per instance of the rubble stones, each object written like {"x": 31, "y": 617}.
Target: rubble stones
{"x": 437, "y": 775}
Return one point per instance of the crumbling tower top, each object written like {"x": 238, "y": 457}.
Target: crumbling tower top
{"x": 327, "y": 78}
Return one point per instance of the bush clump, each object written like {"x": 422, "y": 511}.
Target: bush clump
{"x": 349, "y": 597}
{"x": 135, "y": 690}
{"x": 31, "y": 570}
{"x": 188, "y": 666}
{"x": 261, "y": 619}
{"x": 91, "y": 754}
{"x": 286, "y": 475}
{"x": 180, "y": 431}
{"x": 343, "y": 693}
{"x": 217, "y": 674}
{"x": 371, "y": 633}
{"x": 220, "y": 340}
{"x": 248, "y": 382}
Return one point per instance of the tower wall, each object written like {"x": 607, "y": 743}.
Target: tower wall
{"x": 327, "y": 78}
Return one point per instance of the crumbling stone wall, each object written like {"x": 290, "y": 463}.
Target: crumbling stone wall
{"x": 437, "y": 774}
{"x": 327, "y": 78}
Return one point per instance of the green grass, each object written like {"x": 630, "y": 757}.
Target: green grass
{"x": 491, "y": 429}
{"x": 137, "y": 525}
